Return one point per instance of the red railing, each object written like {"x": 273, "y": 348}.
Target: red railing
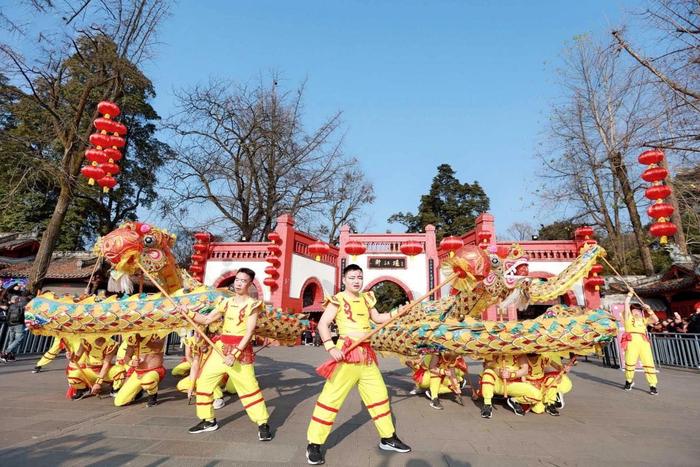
{"x": 238, "y": 251}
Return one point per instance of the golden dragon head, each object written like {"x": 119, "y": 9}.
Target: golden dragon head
{"x": 134, "y": 244}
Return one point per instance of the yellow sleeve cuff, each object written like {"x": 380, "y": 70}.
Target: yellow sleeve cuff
{"x": 328, "y": 345}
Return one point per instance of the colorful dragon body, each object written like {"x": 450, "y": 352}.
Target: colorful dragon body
{"x": 126, "y": 248}
{"x": 451, "y": 323}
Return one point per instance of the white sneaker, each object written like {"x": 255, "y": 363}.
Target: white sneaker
{"x": 416, "y": 391}
{"x": 219, "y": 403}
{"x": 428, "y": 395}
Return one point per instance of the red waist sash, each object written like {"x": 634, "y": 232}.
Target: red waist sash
{"x": 627, "y": 338}
{"x": 230, "y": 344}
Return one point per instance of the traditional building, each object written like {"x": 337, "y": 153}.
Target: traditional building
{"x": 295, "y": 270}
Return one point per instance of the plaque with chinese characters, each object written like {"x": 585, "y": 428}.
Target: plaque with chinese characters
{"x": 386, "y": 263}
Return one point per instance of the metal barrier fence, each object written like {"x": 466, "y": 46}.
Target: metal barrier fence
{"x": 670, "y": 349}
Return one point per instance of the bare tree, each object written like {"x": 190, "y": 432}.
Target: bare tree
{"x": 91, "y": 56}
{"x": 244, "y": 157}
{"x": 595, "y": 133}
{"x": 520, "y": 231}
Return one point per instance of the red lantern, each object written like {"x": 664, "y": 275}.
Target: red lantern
{"x": 273, "y": 261}
{"x": 196, "y": 268}
{"x": 270, "y": 282}
{"x": 660, "y": 210}
{"x": 653, "y": 156}
{"x": 355, "y": 248}
{"x": 110, "y": 168}
{"x": 663, "y": 230}
{"x": 595, "y": 281}
{"x": 100, "y": 140}
{"x": 272, "y": 272}
{"x": 107, "y": 182}
{"x": 657, "y": 192}
{"x": 654, "y": 174}
{"x": 105, "y": 124}
{"x": 274, "y": 250}
{"x": 451, "y": 244}
{"x": 198, "y": 258}
{"x": 584, "y": 231}
{"x": 318, "y": 249}
{"x": 113, "y": 154}
{"x": 411, "y": 248}
{"x": 119, "y": 128}
{"x": 96, "y": 155}
{"x": 92, "y": 172}
{"x": 117, "y": 141}
{"x": 110, "y": 109}
{"x": 275, "y": 238}
{"x": 596, "y": 269}
{"x": 203, "y": 237}
{"x": 200, "y": 247}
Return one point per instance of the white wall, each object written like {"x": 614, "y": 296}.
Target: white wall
{"x": 304, "y": 268}
{"x": 216, "y": 269}
{"x": 415, "y": 276}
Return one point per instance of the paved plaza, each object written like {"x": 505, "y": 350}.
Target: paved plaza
{"x": 601, "y": 424}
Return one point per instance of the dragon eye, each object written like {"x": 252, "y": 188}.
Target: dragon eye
{"x": 149, "y": 241}
{"x": 494, "y": 260}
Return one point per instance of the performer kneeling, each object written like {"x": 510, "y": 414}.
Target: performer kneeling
{"x": 240, "y": 314}
{"x": 503, "y": 375}
{"x": 436, "y": 374}
{"x": 146, "y": 356}
{"x": 90, "y": 366}
{"x": 352, "y": 311}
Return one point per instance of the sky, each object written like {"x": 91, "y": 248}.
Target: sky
{"x": 419, "y": 83}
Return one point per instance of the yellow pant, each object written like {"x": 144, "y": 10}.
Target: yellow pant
{"x": 185, "y": 384}
{"x": 182, "y": 369}
{"x": 52, "y": 353}
{"x": 134, "y": 383}
{"x": 523, "y": 393}
{"x": 85, "y": 378}
{"x": 241, "y": 376}
{"x": 640, "y": 349}
{"x": 548, "y": 391}
{"x": 437, "y": 384}
{"x": 373, "y": 392}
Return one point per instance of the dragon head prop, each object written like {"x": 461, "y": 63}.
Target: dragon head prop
{"x": 134, "y": 244}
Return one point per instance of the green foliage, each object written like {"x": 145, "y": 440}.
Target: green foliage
{"x": 389, "y": 296}
{"x": 559, "y": 230}
{"x": 450, "y": 205}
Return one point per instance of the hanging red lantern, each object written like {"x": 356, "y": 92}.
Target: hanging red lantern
{"x": 355, "y": 248}
{"x": 596, "y": 269}
{"x": 270, "y": 282}
{"x": 110, "y": 168}
{"x": 92, "y": 173}
{"x": 200, "y": 247}
{"x": 105, "y": 124}
{"x": 653, "y": 156}
{"x": 318, "y": 249}
{"x": 275, "y": 238}
{"x": 119, "y": 129}
{"x": 584, "y": 232}
{"x": 654, "y": 174}
{"x": 100, "y": 140}
{"x": 196, "y": 268}
{"x": 657, "y": 192}
{"x": 273, "y": 261}
{"x": 660, "y": 210}
{"x": 117, "y": 141}
{"x": 110, "y": 109}
{"x": 411, "y": 248}
{"x": 198, "y": 258}
{"x": 596, "y": 282}
{"x": 203, "y": 237}
{"x": 663, "y": 230}
{"x": 114, "y": 154}
{"x": 96, "y": 155}
{"x": 274, "y": 250}
{"x": 272, "y": 272}
{"x": 451, "y": 244}
{"x": 107, "y": 183}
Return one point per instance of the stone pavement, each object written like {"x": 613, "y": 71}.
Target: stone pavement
{"x": 601, "y": 424}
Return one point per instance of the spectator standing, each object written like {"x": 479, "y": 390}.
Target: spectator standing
{"x": 16, "y": 329}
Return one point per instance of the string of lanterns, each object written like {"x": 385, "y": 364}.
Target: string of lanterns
{"x": 657, "y": 192}
{"x": 103, "y": 158}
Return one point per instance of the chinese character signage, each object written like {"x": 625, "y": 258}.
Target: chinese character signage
{"x": 386, "y": 263}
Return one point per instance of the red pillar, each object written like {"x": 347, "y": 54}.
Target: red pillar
{"x": 285, "y": 229}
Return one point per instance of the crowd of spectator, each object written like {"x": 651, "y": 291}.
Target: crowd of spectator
{"x": 678, "y": 324}
{"x": 12, "y": 303}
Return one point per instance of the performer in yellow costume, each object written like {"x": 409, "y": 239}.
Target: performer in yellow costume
{"x": 436, "y": 374}
{"x": 504, "y": 375}
{"x": 352, "y": 311}
{"x": 636, "y": 344}
{"x": 240, "y": 314}
{"x": 91, "y": 365}
{"x": 57, "y": 345}
{"x": 145, "y": 354}
{"x": 550, "y": 383}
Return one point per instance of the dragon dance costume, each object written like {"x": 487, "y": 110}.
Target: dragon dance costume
{"x": 492, "y": 383}
{"x": 89, "y": 359}
{"x": 146, "y": 379}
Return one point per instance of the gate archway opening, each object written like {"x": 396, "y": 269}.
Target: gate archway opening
{"x": 390, "y": 295}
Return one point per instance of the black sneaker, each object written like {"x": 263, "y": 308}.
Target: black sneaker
{"x": 203, "y": 426}
{"x": 653, "y": 391}
{"x": 264, "y": 433}
{"x": 314, "y": 456}
{"x": 393, "y": 444}
{"x": 435, "y": 403}
{"x": 628, "y": 386}
{"x": 551, "y": 410}
{"x": 559, "y": 401}
{"x": 10, "y": 357}
{"x": 36, "y": 369}
{"x": 517, "y": 408}
{"x": 79, "y": 394}
{"x": 486, "y": 411}
{"x": 138, "y": 395}
{"x": 152, "y": 400}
